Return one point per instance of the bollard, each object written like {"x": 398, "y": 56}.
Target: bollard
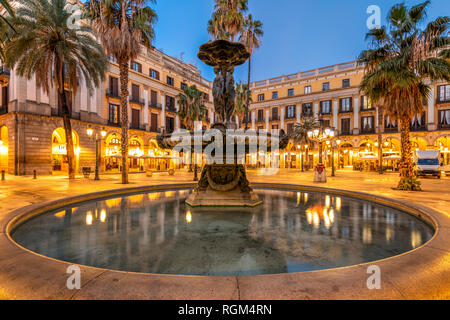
{"x": 34, "y": 174}
{"x": 3, "y": 175}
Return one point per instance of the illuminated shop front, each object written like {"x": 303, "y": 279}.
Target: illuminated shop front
{"x": 113, "y": 154}
{"x": 443, "y": 143}
{"x": 158, "y": 159}
{"x": 136, "y": 155}
{"x": 59, "y": 151}
{"x": 4, "y": 144}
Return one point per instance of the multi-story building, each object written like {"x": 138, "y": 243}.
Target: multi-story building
{"x": 332, "y": 95}
{"x": 31, "y": 127}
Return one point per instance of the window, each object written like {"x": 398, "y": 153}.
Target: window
{"x": 325, "y": 123}
{"x": 307, "y": 89}
{"x": 444, "y": 118}
{"x": 153, "y": 98}
{"x": 170, "y": 102}
{"x": 345, "y": 126}
{"x": 170, "y": 81}
{"x": 389, "y": 125}
{"x": 206, "y": 96}
{"x": 170, "y": 124}
{"x": 275, "y": 114}
{"x": 183, "y": 86}
{"x": 367, "y": 124}
{"x": 112, "y": 58}
{"x": 444, "y": 93}
{"x": 345, "y": 83}
{"x": 154, "y": 74}
{"x": 307, "y": 109}
{"x": 135, "y": 93}
{"x": 113, "y": 114}
{"x": 154, "y": 122}
{"x": 136, "y": 66}
{"x": 275, "y": 95}
{"x": 260, "y": 115}
{"x": 290, "y": 92}
{"x": 261, "y": 97}
{"x": 113, "y": 86}
{"x": 365, "y": 103}
{"x": 325, "y": 86}
{"x": 325, "y": 107}
{"x": 418, "y": 122}
{"x": 135, "y": 118}
{"x": 290, "y": 112}
{"x": 346, "y": 105}
{"x": 290, "y": 128}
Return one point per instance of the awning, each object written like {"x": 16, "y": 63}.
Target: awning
{"x": 392, "y": 157}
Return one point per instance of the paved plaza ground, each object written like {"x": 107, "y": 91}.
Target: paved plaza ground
{"x": 420, "y": 274}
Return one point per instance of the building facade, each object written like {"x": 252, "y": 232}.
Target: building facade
{"x": 31, "y": 126}
{"x": 332, "y": 95}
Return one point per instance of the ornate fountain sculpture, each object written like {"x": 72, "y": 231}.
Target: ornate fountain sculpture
{"x": 223, "y": 184}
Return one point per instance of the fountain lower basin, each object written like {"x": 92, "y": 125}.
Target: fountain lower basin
{"x": 294, "y": 231}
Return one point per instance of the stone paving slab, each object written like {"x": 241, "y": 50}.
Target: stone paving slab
{"x": 420, "y": 274}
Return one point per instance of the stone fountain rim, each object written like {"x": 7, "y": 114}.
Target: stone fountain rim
{"x": 174, "y": 286}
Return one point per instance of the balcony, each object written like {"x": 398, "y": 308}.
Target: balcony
{"x": 416, "y": 127}
{"x": 171, "y": 109}
{"x": 390, "y": 129}
{"x": 113, "y": 124}
{"x": 346, "y": 110}
{"x": 444, "y": 126}
{"x": 137, "y": 100}
{"x": 275, "y": 118}
{"x": 439, "y": 101}
{"x": 155, "y": 105}
{"x": 325, "y": 113}
{"x": 155, "y": 130}
{"x": 290, "y": 117}
{"x": 307, "y": 114}
{"x": 367, "y": 108}
{"x": 3, "y": 109}
{"x": 346, "y": 133}
{"x": 260, "y": 120}
{"x": 112, "y": 94}
{"x": 368, "y": 130}
{"x": 137, "y": 127}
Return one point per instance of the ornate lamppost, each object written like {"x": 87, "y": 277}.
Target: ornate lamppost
{"x": 334, "y": 144}
{"x": 321, "y": 135}
{"x": 98, "y": 139}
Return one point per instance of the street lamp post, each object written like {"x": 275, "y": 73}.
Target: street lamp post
{"x": 98, "y": 139}
{"x": 333, "y": 167}
{"x": 321, "y": 135}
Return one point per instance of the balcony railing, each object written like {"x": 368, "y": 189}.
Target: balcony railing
{"x": 347, "y": 110}
{"x": 307, "y": 114}
{"x": 259, "y": 120}
{"x": 346, "y": 133}
{"x": 156, "y": 130}
{"x": 4, "y": 71}
{"x": 113, "y": 124}
{"x": 137, "y": 127}
{"x": 415, "y": 128}
{"x": 444, "y": 126}
{"x": 439, "y": 101}
{"x": 155, "y": 105}
{"x": 137, "y": 100}
{"x": 290, "y": 117}
{"x": 275, "y": 118}
{"x": 171, "y": 109}
{"x": 326, "y": 113}
{"x": 367, "y": 108}
{"x": 112, "y": 94}
{"x": 3, "y": 109}
{"x": 391, "y": 129}
{"x": 368, "y": 130}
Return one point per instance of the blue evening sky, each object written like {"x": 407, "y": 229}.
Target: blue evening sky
{"x": 299, "y": 35}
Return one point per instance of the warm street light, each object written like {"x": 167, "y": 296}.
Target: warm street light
{"x": 321, "y": 135}
{"x": 90, "y": 133}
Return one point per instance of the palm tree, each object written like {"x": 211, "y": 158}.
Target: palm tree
{"x": 241, "y": 97}
{"x": 58, "y": 52}
{"x": 399, "y": 62}
{"x": 300, "y": 134}
{"x": 251, "y": 38}
{"x": 123, "y": 27}
{"x": 228, "y": 19}
{"x": 191, "y": 109}
{"x": 5, "y": 25}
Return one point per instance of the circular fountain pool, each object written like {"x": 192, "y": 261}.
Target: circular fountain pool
{"x": 157, "y": 232}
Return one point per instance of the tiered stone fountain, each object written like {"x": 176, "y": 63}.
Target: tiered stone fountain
{"x": 222, "y": 184}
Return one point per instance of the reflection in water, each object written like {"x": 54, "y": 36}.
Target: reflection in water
{"x": 289, "y": 232}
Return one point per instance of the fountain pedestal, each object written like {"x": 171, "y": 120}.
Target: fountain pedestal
{"x": 223, "y": 186}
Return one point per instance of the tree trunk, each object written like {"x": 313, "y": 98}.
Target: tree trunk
{"x": 68, "y": 132}
{"x": 248, "y": 93}
{"x": 124, "y": 117}
{"x": 406, "y": 167}
{"x": 380, "y": 141}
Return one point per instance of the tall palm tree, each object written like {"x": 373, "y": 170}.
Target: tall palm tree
{"x": 300, "y": 133}
{"x": 191, "y": 109}
{"x": 228, "y": 19}
{"x": 399, "y": 62}
{"x": 5, "y": 25}
{"x": 240, "y": 103}
{"x": 46, "y": 43}
{"x": 251, "y": 37}
{"x": 124, "y": 27}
